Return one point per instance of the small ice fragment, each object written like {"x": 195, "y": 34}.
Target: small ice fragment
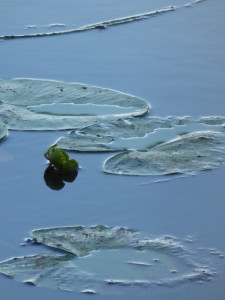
{"x": 30, "y": 282}
{"x": 31, "y": 26}
{"x": 87, "y": 291}
{"x": 56, "y": 25}
{"x": 139, "y": 263}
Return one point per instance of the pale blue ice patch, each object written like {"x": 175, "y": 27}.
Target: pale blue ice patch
{"x": 71, "y": 109}
{"x": 160, "y": 135}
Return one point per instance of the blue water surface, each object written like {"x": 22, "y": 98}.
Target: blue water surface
{"x": 175, "y": 61}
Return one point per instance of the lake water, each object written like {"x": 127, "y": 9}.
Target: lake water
{"x": 175, "y": 61}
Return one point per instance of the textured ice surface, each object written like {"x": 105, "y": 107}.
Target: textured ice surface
{"x": 3, "y": 130}
{"x": 27, "y": 104}
{"x": 106, "y": 258}
{"x": 139, "y": 133}
{"x": 188, "y": 154}
{"x": 81, "y": 240}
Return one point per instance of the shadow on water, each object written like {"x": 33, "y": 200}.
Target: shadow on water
{"x": 56, "y": 179}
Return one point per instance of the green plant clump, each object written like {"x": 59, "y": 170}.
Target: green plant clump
{"x": 60, "y": 159}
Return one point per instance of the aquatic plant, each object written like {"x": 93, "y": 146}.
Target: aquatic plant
{"x": 60, "y": 159}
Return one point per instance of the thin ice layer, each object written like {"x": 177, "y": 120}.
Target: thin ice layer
{"x": 188, "y": 154}
{"x": 99, "y": 25}
{"x": 28, "y": 104}
{"x": 102, "y": 134}
{"x": 3, "y": 130}
{"x": 119, "y": 262}
{"x": 81, "y": 240}
{"x": 46, "y": 270}
{"x": 139, "y": 133}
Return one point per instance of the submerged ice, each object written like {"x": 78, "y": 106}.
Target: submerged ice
{"x": 134, "y": 261}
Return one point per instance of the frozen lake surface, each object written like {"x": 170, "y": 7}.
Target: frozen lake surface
{"x": 176, "y": 62}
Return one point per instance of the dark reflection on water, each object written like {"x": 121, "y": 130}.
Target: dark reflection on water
{"x": 56, "y": 179}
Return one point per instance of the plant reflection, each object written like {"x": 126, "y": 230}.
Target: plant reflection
{"x": 56, "y": 179}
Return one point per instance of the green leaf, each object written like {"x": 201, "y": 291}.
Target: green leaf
{"x": 70, "y": 165}
{"x": 66, "y": 156}
{"x": 29, "y": 104}
{"x": 56, "y": 157}
{"x": 60, "y": 159}
{"x": 46, "y": 154}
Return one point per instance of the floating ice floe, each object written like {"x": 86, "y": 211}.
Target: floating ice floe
{"x": 188, "y": 154}
{"x": 27, "y": 104}
{"x": 80, "y": 240}
{"x": 153, "y": 145}
{"x": 123, "y": 259}
{"x": 137, "y": 133}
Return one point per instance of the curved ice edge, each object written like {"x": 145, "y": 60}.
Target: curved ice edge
{"x": 142, "y": 111}
{"x": 103, "y": 24}
{"x": 140, "y": 107}
{"x": 161, "y": 243}
{"x": 3, "y": 130}
{"x": 142, "y": 141}
{"x": 81, "y": 84}
{"x": 94, "y": 26}
{"x": 168, "y": 245}
{"x": 198, "y": 275}
{"x": 88, "y": 292}
{"x": 198, "y": 272}
{"x": 208, "y": 165}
